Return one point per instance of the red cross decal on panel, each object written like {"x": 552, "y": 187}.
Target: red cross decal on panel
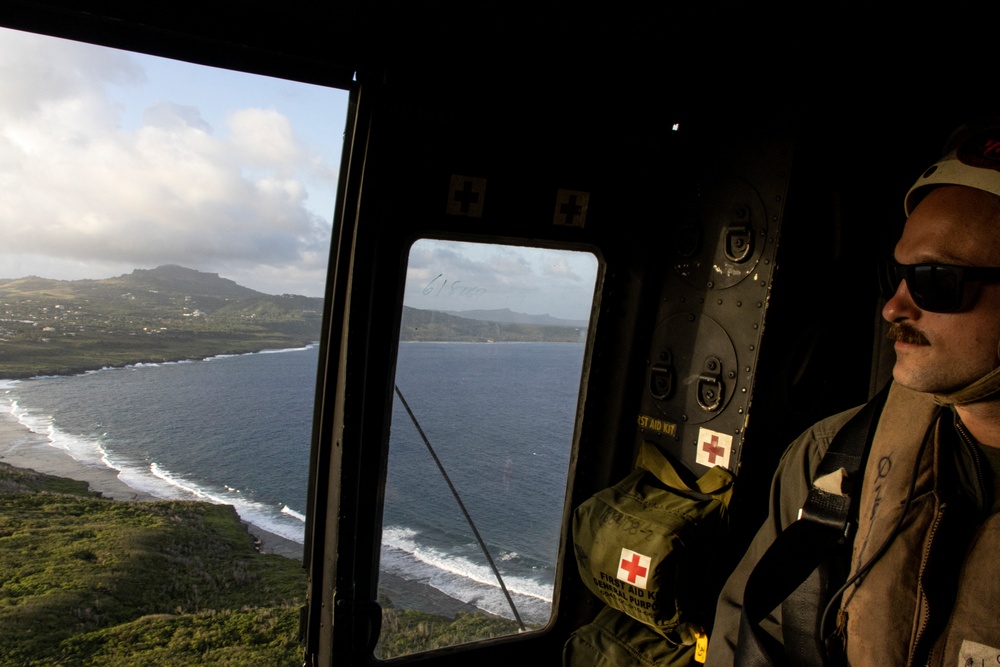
{"x": 634, "y": 568}
{"x": 714, "y": 448}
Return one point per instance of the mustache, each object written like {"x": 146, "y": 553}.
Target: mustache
{"x": 905, "y": 333}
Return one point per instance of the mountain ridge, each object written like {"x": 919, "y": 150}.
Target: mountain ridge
{"x": 167, "y": 276}
{"x": 171, "y": 313}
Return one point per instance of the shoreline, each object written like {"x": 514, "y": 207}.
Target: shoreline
{"x": 23, "y": 448}
{"x": 83, "y": 370}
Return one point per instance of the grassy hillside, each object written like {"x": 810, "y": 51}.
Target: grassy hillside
{"x": 405, "y": 631}
{"x": 50, "y": 327}
{"x": 95, "y": 582}
{"x": 90, "y": 581}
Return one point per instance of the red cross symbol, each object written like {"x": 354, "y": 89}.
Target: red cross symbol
{"x": 633, "y": 568}
{"x": 713, "y": 449}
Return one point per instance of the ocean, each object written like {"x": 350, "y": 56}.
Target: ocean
{"x": 236, "y": 430}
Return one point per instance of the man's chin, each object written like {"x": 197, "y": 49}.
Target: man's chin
{"x": 916, "y": 383}
{"x": 903, "y": 376}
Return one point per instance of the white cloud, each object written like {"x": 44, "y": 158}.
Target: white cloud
{"x": 264, "y": 137}
{"x": 455, "y": 276}
{"x": 168, "y": 115}
{"x": 39, "y": 75}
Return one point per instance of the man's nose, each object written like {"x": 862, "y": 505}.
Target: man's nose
{"x": 901, "y": 306}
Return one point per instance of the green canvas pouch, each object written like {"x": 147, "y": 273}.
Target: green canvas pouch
{"x": 646, "y": 546}
{"x": 617, "y": 640}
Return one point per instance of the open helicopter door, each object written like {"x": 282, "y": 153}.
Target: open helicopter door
{"x": 453, "y": 436}
{"x": 445, "y": 420}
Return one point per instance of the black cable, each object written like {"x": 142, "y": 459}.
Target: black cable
{"x": 461, "y": 505}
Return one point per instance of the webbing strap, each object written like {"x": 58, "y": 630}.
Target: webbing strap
{"x": 790, "y": 560}
{"x": 716, "y": 483}
{"x": 800, "y": 549}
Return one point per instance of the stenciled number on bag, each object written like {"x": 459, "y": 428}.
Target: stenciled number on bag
{"x": 625, "y": 523}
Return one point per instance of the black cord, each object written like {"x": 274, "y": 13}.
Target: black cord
{"x": 461, "y": 506}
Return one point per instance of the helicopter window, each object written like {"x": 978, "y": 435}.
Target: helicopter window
{"x": 488, "y": 375}
{"x": 162, "y": 222}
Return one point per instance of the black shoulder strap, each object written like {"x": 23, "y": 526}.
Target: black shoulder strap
{"x": 805, "y": 545}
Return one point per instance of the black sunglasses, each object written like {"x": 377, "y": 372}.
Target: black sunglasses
{"x": 936, "y": 288}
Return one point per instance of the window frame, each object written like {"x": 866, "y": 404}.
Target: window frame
{"x": 559, "y": 564}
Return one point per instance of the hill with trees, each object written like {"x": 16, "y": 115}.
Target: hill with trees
{"x": 62, "y": 327}
{"x": 52, "y": 327}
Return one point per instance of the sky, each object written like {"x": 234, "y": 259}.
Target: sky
{"x": 112, "y": 161}
{"x": 456, "y": 276}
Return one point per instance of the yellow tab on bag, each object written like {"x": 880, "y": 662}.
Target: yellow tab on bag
{"x": 700, "y": 646}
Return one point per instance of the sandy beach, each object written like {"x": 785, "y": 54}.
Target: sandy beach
{"x": 20, "y": 447}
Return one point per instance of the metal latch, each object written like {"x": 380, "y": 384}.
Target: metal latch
{"x": 661, "y": 377}
{"x": 710, "y": 387}
{"x": 739, "y": 236}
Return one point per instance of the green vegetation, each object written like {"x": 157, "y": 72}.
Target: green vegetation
{"x": 90, "y": 581}
{"x": 231, "y": 638}
{"x": 59, "y": 327}
{"x": 63, "y": 327}
{"x": 405, "y": 631}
